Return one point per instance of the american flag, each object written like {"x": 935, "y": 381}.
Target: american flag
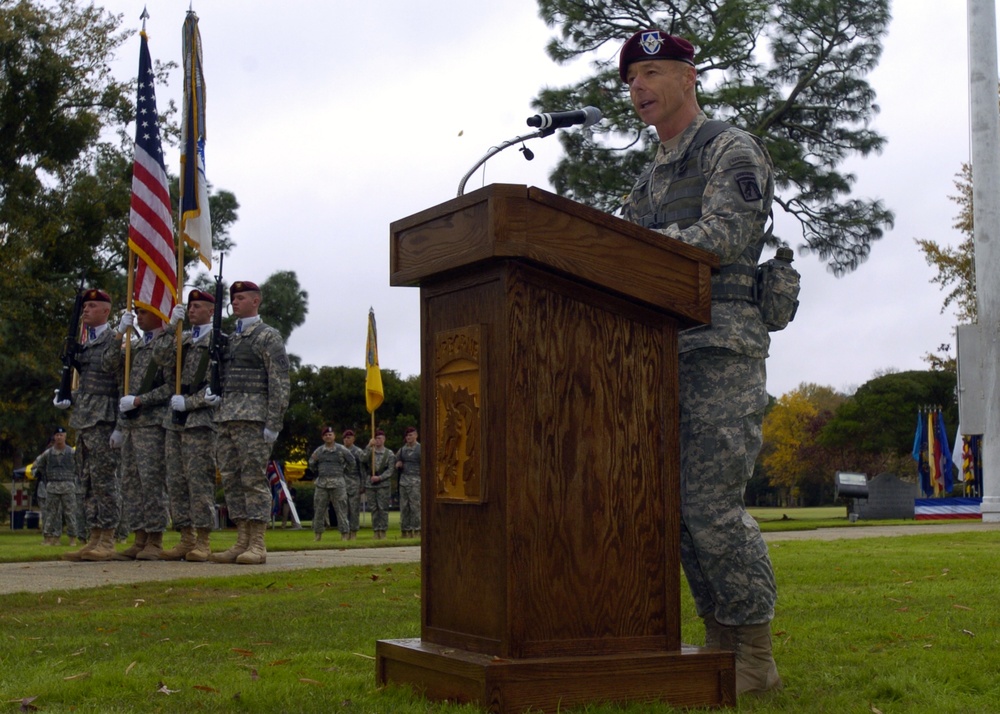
{"x": 150, "y": 230}
{"x": 196, "y": 223}
{"x": 279, "y": 492}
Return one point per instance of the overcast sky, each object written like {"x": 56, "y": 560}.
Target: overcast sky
{"x": 330, "y": 120}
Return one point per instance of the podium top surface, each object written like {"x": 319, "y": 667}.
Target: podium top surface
{"x": 505, "y": 221}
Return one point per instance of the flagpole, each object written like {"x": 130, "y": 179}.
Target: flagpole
{"x": 178, "y": 336}
{"x": 128, "y": 304}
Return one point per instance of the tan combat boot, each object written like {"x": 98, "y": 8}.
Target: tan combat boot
{"x": 713, "y": 631}
{"x": 756, "y": 671}
{"x": 133, "y": 550}
{"x": 105, "y": 548}
{"x": 201, "y": 550}
{"x": 76, "y": 555}
{"x": 153, "y": 547}
{"x": 72, "y": 540}
{"x": 242, "y": 541}
{"x": 256, "y": 552}
{"x": 181, "y": 549}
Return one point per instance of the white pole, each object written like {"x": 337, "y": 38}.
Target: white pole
{"x": 984, "y": 114}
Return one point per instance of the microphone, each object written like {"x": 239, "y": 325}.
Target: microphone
{"x": 588, "y": 116}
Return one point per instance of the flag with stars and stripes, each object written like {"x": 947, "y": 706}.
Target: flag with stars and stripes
{"x": 150, "y": 230}
{"x": 196, "y": 223}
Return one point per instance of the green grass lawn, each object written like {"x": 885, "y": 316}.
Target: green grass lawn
{"x": 892, "y": 625}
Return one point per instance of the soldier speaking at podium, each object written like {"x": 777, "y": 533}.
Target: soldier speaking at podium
{"x": 254, "y": 399}
{"x": 711, "y": 186}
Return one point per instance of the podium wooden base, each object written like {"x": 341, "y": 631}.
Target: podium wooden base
{"x": 692, "y": 677}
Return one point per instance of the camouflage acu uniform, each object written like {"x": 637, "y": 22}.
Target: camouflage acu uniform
{"x": 721, "y": 372}
{"x": 255, "y": 397}
{"x": 57, "y": 469}
{"x": 94, "y": 416}
{"x": 144, "y": 482}
{"x": 190, "y": 446}
{"x": 409, "y": 487}
{"x": 334, "y": 466}
{"x": 354, "y": 488}
{"x": 379, "y": 493}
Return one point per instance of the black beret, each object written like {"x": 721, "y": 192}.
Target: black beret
{"x": 653, "y": 45}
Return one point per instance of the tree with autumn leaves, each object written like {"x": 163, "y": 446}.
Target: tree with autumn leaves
{"x": 813, "y": 431}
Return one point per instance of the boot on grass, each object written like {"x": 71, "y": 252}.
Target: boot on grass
{"x": 756, "y": 671}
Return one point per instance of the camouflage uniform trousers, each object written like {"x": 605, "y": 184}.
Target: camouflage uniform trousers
{"x": 81, "y": 512}
{"x": 323, "y": 496}
{"x": 100, "y": 475}
{"x": 353, "y": 502}
{"x": 378, "y": 501}
{"x": 725, "y": 558}
{"x": 409, "y": 503}
{"x": 190, "y": 457}
{"x": 60, "y": 509}
{"x": 144, "y": 479}
{"x": 242, "y": 455}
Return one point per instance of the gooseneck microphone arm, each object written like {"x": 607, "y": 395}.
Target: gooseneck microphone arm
{"x": 497, "y": 149}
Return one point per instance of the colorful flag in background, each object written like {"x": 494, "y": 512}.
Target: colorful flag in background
{"x": 373, "y": 376}
{"x": 280, "y": 495}
{"x": 150, "y": 228}
{"x": 920, "y": 454}
{"x": 942, "y": 455}
{"x": 196, "y": 223}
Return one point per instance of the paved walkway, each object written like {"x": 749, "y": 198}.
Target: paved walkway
{"x": 59, "y": 575}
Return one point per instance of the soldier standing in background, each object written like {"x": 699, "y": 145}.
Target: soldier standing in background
{"x": 144, "y": 482}
{"x": 252, "y": 411}
{"x": 95, "y": 419}
{"x": 333, "y": 465}
{"x": 354, "y": 485}
{"x": 408, "y": 466}
{"x": 56, "y": 467}
{"x": 191, "y": 432}
{"x": 379, "y": 486}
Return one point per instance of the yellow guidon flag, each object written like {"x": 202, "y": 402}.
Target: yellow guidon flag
{"x": 373, "y": 376}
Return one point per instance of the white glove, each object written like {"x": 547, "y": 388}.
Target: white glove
{"x": 177, "y": 403}
{"x": 128, "y": 319}
{"x": 177, "y": 314}
{"x": 60, "y": 403}
{"x": 126, "y": 403}
{"x": 115, "y": 442}
{"x": 212, "y": 399}
{"x": 270, "y": 436}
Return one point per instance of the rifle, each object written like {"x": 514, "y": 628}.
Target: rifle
{"x": 72, "y": 345}
{"x": 219, "y": 339}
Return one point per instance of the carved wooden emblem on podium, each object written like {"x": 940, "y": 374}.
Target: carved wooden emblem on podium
{"x": 457, "y": 393}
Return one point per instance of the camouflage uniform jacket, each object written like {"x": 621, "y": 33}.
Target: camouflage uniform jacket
{"x": 150, "y": 381}
{"x": 57, "y": 469}
{"x": 95, "y": 401}
{"x": 332, "y": 464}
{"x": 410, "y": 456}
{"x": 268, "y": 404}
{"x": 735, "y": 205}
{"x": 195, "y": 353}
{"x": 385, "y": 462}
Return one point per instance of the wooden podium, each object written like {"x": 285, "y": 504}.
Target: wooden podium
{"x": 550, "y": 544}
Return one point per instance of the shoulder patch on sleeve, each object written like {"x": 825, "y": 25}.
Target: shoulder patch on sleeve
{"x": 746, "y": 182}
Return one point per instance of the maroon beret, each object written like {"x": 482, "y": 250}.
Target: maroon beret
{"x": 349, "y": 432}
{"x": 197, "y": 295}
{"x": 327, "y": 430}
{"x": 379, "y": 432}
{"x": 409, "y": 430}
{"x": 243, "y": 286}
{"x": 95, "y": 295}
{"x": 653, "y": 45}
